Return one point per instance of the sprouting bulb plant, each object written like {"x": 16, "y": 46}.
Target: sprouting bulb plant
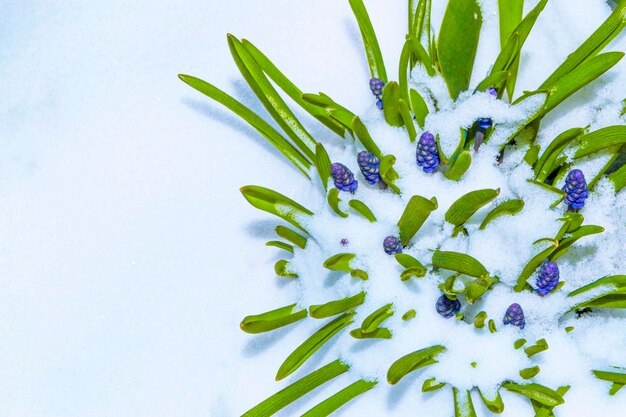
{"x": 480, "y": 235}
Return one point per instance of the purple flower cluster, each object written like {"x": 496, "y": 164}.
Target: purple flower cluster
{"x": 446, "y": 307}
{"x": 377, "y": 85}
{"x": 576, "y": 189}
{"x": 369, "y": 166}
{"x": 427, "y": 153}
{"x": 515, "y": 316}
{"x": 392, "y": 245}
{"x": 548, "y": 278}
{"x": 343, "y": 177}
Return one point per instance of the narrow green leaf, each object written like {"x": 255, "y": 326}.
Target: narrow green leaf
{"x": 532, "y": 266}
{"x": 495, "y": 405}
{"x": 332, "y": 308}
{"x": 275, "y": 203}
{"x": 312, "y": 344}
{"x": 280, "y": 245}
{"x": 359, "y": 273}
{"x": 616, "y": 281}
{"x": 294, "y": 237}
{"x": 418, "y": 50}
{"x": 546, "y": 164}
{"x": 543, "y": 410}
{"x": 619, "y": 377}
{"x": 366, "y": 139}
{"x": 609, "y": 29}
{"x": 519, "y": 343}
{"x": 459, "y": 262}
{"x": 463, "y": 406}
{"x": 492, "y": 326}
{"x": 409, "y": 315}
{"x": 601, "y": 139}
{"x": 532, "y": 155}
{"x": 420, "y": 23}
{"x": 529, "y": 373}
{"x": 387, "y": 173}
{"x": 479, "y": 320}
{"x": 361, "y": 208}
{"x": 495, "y": 80}
{"x": 408, "y": 273}
{"x": 290, "y": 88}
{"x": 608, "y": 165}
{"x": 340, "y": 262}
{"x": 372, "y": 50}
{"x": 272, "y": 320}
{"x": 337, "y": 113}
{"x": 260, "y": 125}
{"x": 334, "y": 200}
{"x": 509, "y": 207}
{"x": 565, "y": 244}
{"x": 459, "y": 167}
{"x": 619, "y": 178}
{"x": 415, "y": 214}
{"x": 391, "y": 106}
{"x": 462, "y": 209}
{"x": 419, "y": 107}
{"x": 412, "y": 362}
{"x": 407, "y": 119}
{"x": 408, "y": 261}
{"x": 458, "y": 41}
{"x": 613, "y": 299}
{"x": 431, "y": 385}
{"x": 297, "y": 390}
{"x": 478, "y": 287}
{"x": 337, "y": 400}
{"x": 539, "y": 393}
{"x": 538, "y": 347}
{"x": 270, "y": 98}
{"x": 377, "y": 333}
{"x": 510, "y": 13}
{"x": 322, "y": 163}
{"x": 282, "y": 268}
{"x": 374, "y": 320}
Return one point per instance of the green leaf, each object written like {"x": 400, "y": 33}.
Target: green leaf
{"x": 492, "y": 326}
{"x": 268, "y": 132}
{"x": 282, "y": 268}
{"x": 412, "y": 362}
{"x": 463, "y": 406}
{"x": 459, "y": 166}
{"x": 276, "y": 204}
{"x": 431, "y": 385}
{"x": 478, "y": 287}
{"x": 334, "y": 111}
{"x": 616, "y": 281}
{"x": 312, "y": 344}
{"x": 322, "y": 163}
{"x": 614, "y": 157}
{"x": 532, "y": 266}
{"x": 510, "y": 207}
{"x": 290, "y": 88}
{"x": 270, "y": 98}
{"x": 611, "y": 27}
{"x": 378, "y": 333}
{"x": 417, "y": 272}
{"x": 601, "y": 139}
{"x": 619, "y": 178}
{"x": 409, "y": 315}
{"x": 546, "y": 164}
{"x": 495, "y": 405}
{"x": 419, "y": 107}
{"x": 613, "y": 299}
{"x": 294, "y": 237}
{"x": 565, "y": 244}
{"x": 333, "y": 202}
{"x": 529, "y": 373}
{"x": 332, "y": 308}
{"x": 418, "y": 50}
{"x": 359, "y": 273}
{"x": 407, "y": 119}
{"x": 539, "y": 393}
{"x": 391, "y": 105}
{"x": 372, "y": 50}
{"x": 538, "y": 347}
{"x": 618, "y": 377}
{"x": 280, "y": 245}
{"x": 495, "y": 79}
{"x": 298, "y": 389}
{"x": 364, "y": 136}
{"x": 510, "y": 13}
{"x": 415, "y": 214}
{"x": 542, "y": 410}
{"x": 578, "y": 78}
{"x": 419, "y": 19}
{"x": 272, "y": 320}
{"x": 479, "y": 320}
{"x": 361, "y": 208}
{"x": 340, "y": 398}
{"x": 340, "y": 262}
{"x": 458, "y": 41}
{"x": 387, "y": 173}
{"x": 462, "y": 209}
{"x": 408, "y": 261}
{"x": 532, "y": 155}
{"x": 374, "y": 320}
{"x": 459, "y": 262}
{"x": 519, "y": 343}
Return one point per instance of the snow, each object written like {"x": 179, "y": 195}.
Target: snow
{"x": 129, "y": 256}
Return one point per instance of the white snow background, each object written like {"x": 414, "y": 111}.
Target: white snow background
{"x": 128, "y": 256}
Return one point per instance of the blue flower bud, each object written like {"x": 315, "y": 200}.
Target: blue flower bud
{"x": 392, "y": 245}
{"x": 343, "y": 178}
{"x": 446, "y": 307}
{"x": 369, "y": 166}
{"x": 377, "y": 85}
{"x": 514, "y": 316}
{"x": 575, "y": 189}
{"x": 379, "y": 103}
{"x": 427, "y": 153}
{"x": 548, "y": 278}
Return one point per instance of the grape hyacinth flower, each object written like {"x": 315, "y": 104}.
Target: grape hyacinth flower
{"x": 548, "y": 278}
{"x": 392, "y": 245}
{"x": 514, "y": 316}
{"x": 377, "y": 85}
{"x": 343, "y": 177}
{"x": 576, "y": 189}
{"x": 484, "y": 123}
{"x": 427, "y": 153}
{"x": 344, "y": 242}
{"x": 446, "y": 307}
{"x": 369, "y": 166}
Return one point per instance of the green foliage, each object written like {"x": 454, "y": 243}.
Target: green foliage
{"x": 372, "y": 50}
{"x": 272, "y": 320}
{"x": 340, "y": 398}
{"x": 462, "y": 209}
{"x": 459, "y": 262}
{"x": 332, "y": 308}
{"x": 415, "y": 214}
{"x": 333, "y": 202}
{"x": 412, "y": 362}
{"x": 276, "y": 204}
{"x": 510, "y": 207}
